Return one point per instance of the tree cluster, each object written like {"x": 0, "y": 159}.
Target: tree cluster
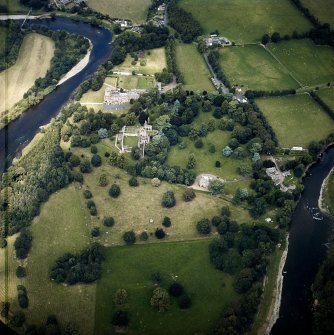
{"x": 213, "y": 58}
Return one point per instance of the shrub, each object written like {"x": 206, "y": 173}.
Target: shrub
{"x": 199, "y": 144}
{"x": 160, "y": 299}
{"x": 93, "y": 211}
{"x": 160, "y": 233}
{"x": 90, "y": 203}
{"x": 77, "y": 176}
{"x": 22, "y": 296}
{"x": 96, "y": 160}
{"x": 129, "y": 237}
{"x": 216, "y": 187}
{"x": 95, "y": 232}
{"x": 87, "y": 194}
{"x": 85, "y": 166}
{"x": 93, "y": 149}
{"x": 155, "y": 182}
{"x": 120, "y": 319}
{"x": 133, "y": 182}
{"x": 103, "y": 180}
{"x": 107, "y": 154}
{"x": 166, "y": 222}
{"x": 218, "y": 164}
{"x": 143, "y": 236}
{"x": 185, "y": 302}
{"x": 20, "y": 272}
{"x": 114, "y": 191}
{"x": 74, "y": 160}
{"x": 203, "y": 226}
{"x": 18, "y": 319}
{"x": 189, "y": 194}
{"x": 168, "y": 199}
{"x": 3, "y": 242}
{"x": 216, "y": 220}
{"x": 109, "y": 221}
{"x": 225, "y": 211}
{"x": 176, "y": 289}
{"x": 120, "y": 297}
{"x": 212, "y": 148}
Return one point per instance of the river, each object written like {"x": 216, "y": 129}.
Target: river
{"x": 22, "y": 130}
{"x": 307, "y": 250}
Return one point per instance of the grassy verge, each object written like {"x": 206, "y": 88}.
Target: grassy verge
{"x": 15, "y": 81}
{"x": 187, "y": 262}
{"x": 245, "y": 21}
{"x": 296, "y": 120}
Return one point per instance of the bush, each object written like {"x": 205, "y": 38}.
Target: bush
{"x": 216, "y": 220}
{"x": 168, "y": 199}
{"x": 95, "y": 232}
{"x": 74, "y": 160}
{"x": 77, "y": 176}
{"x": 90, "y": 203}
{"x": 3, "y": 242}
{"x": 204, "y": 227}
{"x": 176, "y": 289}
{"x": 160, "y": 299}
{"x": 155, "y": 182}
{"x": 133, "y": 182}
{"x": 93, "y": 211}
{"x": 185, "y": 302}
{"x": 103, "y": 180}
{"x": 143, "y": 236}
{"x": 20, "y": 272}
{"x": 129, "y": 237}
{"x": 85, "y": 166}
{"x": 166, "y": 222}
{"x": 189, "y": 194}
{"x": 93, "y": 149}
{"x": 22, "y": 296}
{"x": 225, "y": 211}
{"x": 160, "y": 233}
{"x": 87, "y": 194}
{"x": 199, "y": 144}
{"x": 120, "y": 297}
{"x": 114, "y": 191}
{"x": 18, "y": 319}
{"x": 22, "y": 244}
{"x": 96, "y": 160}
{"x": 109, "y": 221}
{"x": 218, "y": 164}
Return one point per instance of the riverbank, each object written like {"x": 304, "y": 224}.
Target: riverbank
{"x": 79, "y": 67}
{"x": 322, "y": 201}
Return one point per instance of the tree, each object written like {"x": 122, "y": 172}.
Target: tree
{"x": 216, "y": 220}
{"x": 143, "y": 236}
{"x": 199, "y": 143}
{"x": 189, "y": 195}
{"x": 216, "y": 187}
{"x": 176, "y": 289}
{"x": 168, "y": 199}
{"x": 95, "y": 232}
{"x": 87, "y": 194}
{"x": 114, "y": 191}
{"x": 120, "y": 297}
{"x": 275, "y": 37}
{"x": 129, "y": 237}
{"x": 227, "y": 151}
{"x": 85, "y": 166}
{"x": 155, "y": 182}
{"x": 241, "y": 194}
{"x": 120, "y": 319}
{"x": 265, "y": 39}
{"x": 20, "y": 272}
{"x": 160, "y": 299}
{"x": 18, "y": 319}
{"x": 109, "y": 221}
{"x": 203, "y": 226}
{"x": 96, "y": 160}
{"x": 133, "y": 182}
{"x": 185, "y": 302}
{"x": 191, "y": 161}
{"x": 160, "y": 233}
{"x": 103, "y": 180}
{"x": 103, "y": 133}
{"x": 166, "y": 222}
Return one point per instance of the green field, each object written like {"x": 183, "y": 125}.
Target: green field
{"x": 193, "y": 68}
{"x": 15, "y": 81}
{"x": 297, "y": 120}
{"x": 254, "y": 67}
{"x": 125, "y": 9}
{"x": 14, "y": 6}
{"x": 321, "y": 9}
{"x": 309, "y": 63}
{"x": 188, "y": 263}
{"x": 327, "y": 95}
{"x": 155, "y": 61}
{"x": 245, "y": 21}
{"x": 135, "y": 82}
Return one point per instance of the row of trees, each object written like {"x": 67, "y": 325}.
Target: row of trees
{"x": 171, "y": 60}
{"x": 213, "y": 58}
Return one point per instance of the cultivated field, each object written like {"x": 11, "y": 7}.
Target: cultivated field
{"x": 193, "y": 68}
{"x": 327, "y": 95}
{"x": 155, "y": 61}
{"x": 254, "y": 67}
{"x": 246, "y": 21}
{"x": 131, "y": 268}
{"x": 296, "y": 120}
{"x": 321, "y": 9}
{"x": 15, "y": 81}
{"x": 125, "y": 9}
{"x": 309, "y": 63}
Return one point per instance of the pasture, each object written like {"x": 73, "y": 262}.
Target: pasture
{"x": 297, "y": 120}
{"x": 327, "y": 95}
{"x": 15, "y": 81}
{"x": 245, "y": 21}
{"x": 193, "y": 68}
{"x": 125, "y": 9}
{"x": 309, "y": 63}
{"x": 153, "y": 61}
{"x": 321, "y": 9}
{"x": 254, "y": 67}
{"x": 132, "y": 267}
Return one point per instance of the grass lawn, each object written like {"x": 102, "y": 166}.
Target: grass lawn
{"x": 297, "y": 120}
{"x": 327, "y": 95}
{"x": 255, "y": 68}
{"x": 98, "y": 96}
{"x": 188, "y": 263}
{"x": 14, "y": 6}
{"x": 321, "y": 9}
{"x": 15, "y": 81}
{"x": 125, "y": 9}
{"x": 245, "y": 21}
{"x": 155, "y": 62}
{"x": 193, "y": 68}
{"x": 135, "y": 82}
{"x": 62, "y": 226}
{"x": 309, "y": 63}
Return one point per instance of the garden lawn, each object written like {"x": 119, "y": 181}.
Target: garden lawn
{"x": 309, "y": 63}
{"x": 297, "y": 120}
{"x": 15, "y": 81}
{"x": 327, "y": 95}
{"x": 245, "y": 21}
{"x": 254, "y": 67}
{"x": 135, "y": 82}
{"x": 155, "y": 61}
{"x": 321, "y": 9}
{"x": 193, "y": 68}
{"x": 98, "y": 96}
{"x": 125, "y": 9}
{"x": 131, "y": 268}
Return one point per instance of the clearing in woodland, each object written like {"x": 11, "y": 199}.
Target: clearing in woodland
{"x": 15, "y": 81}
